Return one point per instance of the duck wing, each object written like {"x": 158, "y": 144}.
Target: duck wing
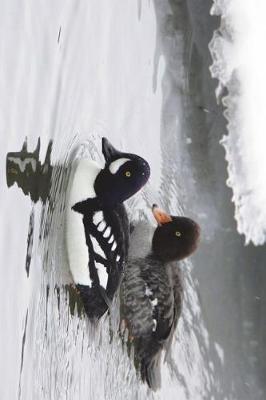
{"x": 177, "y": 286}
{"x": 135, "y": 304}
{"x": 147, "y": 305}
{"x": 110, "y": 239}
{"x": 164, "y": 290}
{"x": 107, "y": 236}
{"x": 159, "y": 292}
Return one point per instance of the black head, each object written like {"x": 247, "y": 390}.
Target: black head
{"x": 123, "y": 175}
{"x": 175, "y": 238}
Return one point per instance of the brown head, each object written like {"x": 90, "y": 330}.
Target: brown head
{"x": 175, "y": 238}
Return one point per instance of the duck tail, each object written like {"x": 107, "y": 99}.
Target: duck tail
{"x": 94, "y": 304}
{"x": 150, "y": 372}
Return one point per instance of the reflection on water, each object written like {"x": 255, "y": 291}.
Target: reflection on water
{"x": 35, "y": 178}
{"x": 31, "y": 175}
{"x": 30, "y": 242}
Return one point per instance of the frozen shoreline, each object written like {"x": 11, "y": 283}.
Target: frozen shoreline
{"x": 239, "y": 63}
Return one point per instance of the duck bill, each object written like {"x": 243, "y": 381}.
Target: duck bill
{"x": 161, "y": 216}
{"x": 108, "y": 150}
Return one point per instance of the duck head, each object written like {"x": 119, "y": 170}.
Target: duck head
{"x": 123, "y": 175}
{"x": 175, "y": 238}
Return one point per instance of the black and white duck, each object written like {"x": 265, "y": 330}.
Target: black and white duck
{"x": 97, "y": 228}
{"x": 152, "y": 289}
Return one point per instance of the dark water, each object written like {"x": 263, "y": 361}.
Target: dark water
{"x": 231, "y": 276}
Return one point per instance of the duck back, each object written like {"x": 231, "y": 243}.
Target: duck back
{"x": 153, "y": 316}
{"x": 151, "y": 301}
{"x": 96, "y": 240}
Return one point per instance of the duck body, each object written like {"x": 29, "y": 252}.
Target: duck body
{"x": 106, "y": 242}
{"x": 151, "y": 301}
{"x": 97, "y": 228}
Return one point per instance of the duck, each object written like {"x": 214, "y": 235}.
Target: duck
{"x": 97, "y": 227}
{"x": 152, "y": 290}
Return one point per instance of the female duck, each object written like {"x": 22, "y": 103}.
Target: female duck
{"x": 152, "y": 288}
{"x": 97, "y": 229}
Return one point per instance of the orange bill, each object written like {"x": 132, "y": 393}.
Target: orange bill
{"x": 161, "y": 216}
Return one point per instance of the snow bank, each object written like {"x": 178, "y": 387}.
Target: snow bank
{"x": 239, "y": 63}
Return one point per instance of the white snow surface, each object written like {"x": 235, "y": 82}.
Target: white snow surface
{"x": 74, "y": 71}
{"x": 239, "y": 63}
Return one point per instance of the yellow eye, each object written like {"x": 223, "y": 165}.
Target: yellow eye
{"x": 128, "y": 174}
{"x": 178, "y": 234}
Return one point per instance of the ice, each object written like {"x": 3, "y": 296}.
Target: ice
{"x": 239, "y": 63}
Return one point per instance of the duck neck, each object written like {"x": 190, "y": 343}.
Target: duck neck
{"x": 153, "y": 259}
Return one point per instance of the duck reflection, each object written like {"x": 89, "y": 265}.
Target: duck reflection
{"x": 34, "y": 178}
{"x": 31, "y": 175}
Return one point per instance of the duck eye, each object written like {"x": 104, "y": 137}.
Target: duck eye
{"x": 178, "y": 234}
{"x": 128, "y": 174}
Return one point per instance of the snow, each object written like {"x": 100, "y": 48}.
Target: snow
{"x": 239, "y": 63}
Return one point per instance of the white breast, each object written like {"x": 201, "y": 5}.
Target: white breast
{"x": 82, "y": 179}
{"x": 81, "y": 187}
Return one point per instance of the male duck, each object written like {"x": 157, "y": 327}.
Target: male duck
{"x": 152, "y": 291}
{"x": 97, "y": 229}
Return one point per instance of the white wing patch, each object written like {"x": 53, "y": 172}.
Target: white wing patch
{"x": 102, "y": 274}
{"x": 153, "y": 302}
{"x": 98, "y": 217}
{"x": 107, "y": 232}
{"x": 102, "y": 226}
{"x": 101, "y": 270}
{"x": 148, "y": 291}
{"x": 154, "y": 325}
{"x": 97, "y": 248}
{"x": 115, "y": 165}
{"x": 111, "y": 239}
{"x": 114, "y": 246}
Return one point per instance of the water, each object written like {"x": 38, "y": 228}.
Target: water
{"x": 136, "y": 72}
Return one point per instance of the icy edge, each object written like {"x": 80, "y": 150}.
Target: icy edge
{"x": 239, "y": 72}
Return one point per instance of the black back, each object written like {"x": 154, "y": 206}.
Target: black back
{"x": 97, "y": 299}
